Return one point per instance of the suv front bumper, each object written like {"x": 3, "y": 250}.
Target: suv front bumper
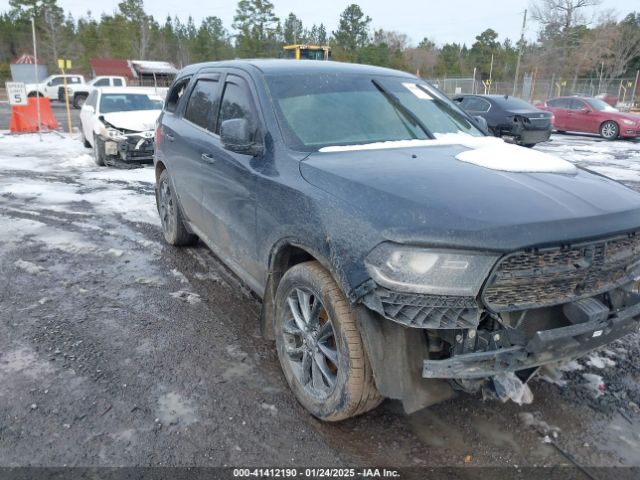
{"x": 546, "y": 346}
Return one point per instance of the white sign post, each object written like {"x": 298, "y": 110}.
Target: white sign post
{"x": 17, "y": 93}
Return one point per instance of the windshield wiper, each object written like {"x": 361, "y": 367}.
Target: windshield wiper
{"x": 408, "y": 114}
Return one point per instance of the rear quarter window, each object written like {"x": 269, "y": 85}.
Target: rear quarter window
{"x": 175, "y": 94}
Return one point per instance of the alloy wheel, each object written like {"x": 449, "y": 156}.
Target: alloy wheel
{"x": 609, "y": 130}
{"x": 166, "y": 206}
{"x": 310, "y": 343}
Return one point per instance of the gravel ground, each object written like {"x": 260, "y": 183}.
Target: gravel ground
{"x": 119, "y": 350}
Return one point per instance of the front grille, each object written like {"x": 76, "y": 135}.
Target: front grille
{"x": 559, "y": 275}
{"x": 428, "y": 311}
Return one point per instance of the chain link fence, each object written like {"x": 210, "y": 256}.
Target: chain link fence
{"x": 535, "y": 89}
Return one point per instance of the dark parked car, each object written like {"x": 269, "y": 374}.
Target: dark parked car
{"x": 591, "y": 115}
{"x": 509, "y": 117}
{"x": 398, "y": 251}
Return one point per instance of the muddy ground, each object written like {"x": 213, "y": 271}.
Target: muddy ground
{"x": 119, "y": 350}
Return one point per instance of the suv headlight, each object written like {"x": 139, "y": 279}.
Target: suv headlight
{"x": 430, "y": 271}
{"x": 631, "y": 123}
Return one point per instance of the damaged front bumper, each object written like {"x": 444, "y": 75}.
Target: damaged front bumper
{"x": 131, "y": 147}
{"x": 546, "y": 346}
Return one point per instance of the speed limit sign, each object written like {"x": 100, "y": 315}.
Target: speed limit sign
{"x": 17, "y": 93}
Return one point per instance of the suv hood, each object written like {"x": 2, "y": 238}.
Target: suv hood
{"x": 138, "y": 121}
{"x": 425, "y": 195}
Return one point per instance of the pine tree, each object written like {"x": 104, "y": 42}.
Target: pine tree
{"x": 257, "y": 27}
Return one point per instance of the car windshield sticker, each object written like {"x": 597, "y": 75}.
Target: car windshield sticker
{"x": 417, "y": 91}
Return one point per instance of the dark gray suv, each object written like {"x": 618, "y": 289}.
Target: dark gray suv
{"x": 399, "y": 251}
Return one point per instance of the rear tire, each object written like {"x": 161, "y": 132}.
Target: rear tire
{"x": 319, "y": 346}
{"x": 173, "y": 228}
{"x": 609, "y": 130}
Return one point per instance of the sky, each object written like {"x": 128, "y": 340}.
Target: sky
{"x": 443, "y": 21}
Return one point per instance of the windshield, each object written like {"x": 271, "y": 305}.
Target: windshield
{"x": 317, "y": 111}
{"x": 600, "y": 105}
{"x": 127, "y": 102}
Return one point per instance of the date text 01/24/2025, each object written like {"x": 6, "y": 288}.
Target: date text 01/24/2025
{"x": 315, "y": 473}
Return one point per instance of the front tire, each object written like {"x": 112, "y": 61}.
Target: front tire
{"x": 98, "y": 151}
{"x": 173, "y": 229}
{"x": 609, "y": 130}
{"x": 85, "y": 142}
{"x": 319, "y": 346}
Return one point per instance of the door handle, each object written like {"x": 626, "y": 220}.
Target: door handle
{"x": 207, "y": 158}
{"x": 170, "y": 137}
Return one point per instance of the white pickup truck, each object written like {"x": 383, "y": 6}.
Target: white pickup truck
{"x": 51, "y": 86}
{"x": 78, "y": 92}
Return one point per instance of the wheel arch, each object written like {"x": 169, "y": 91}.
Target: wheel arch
{"x": 285, "y": 254}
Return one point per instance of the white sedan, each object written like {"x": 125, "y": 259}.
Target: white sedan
{"x": 118, "y": 124}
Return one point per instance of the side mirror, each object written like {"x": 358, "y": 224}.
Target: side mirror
{"x": 585, "y": 110}
{"x": 481, "y": 122}
{"x": 237, "y": 137}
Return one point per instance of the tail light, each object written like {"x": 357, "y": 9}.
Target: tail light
{"x": 158, "y": 139}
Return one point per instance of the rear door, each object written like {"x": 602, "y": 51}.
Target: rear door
{"x": 187, "y": 127}
{"x": 559, "y": 107}
{"x": 51, "y": 88}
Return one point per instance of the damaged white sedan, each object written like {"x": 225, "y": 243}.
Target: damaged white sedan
{"x": 118, "y": 123}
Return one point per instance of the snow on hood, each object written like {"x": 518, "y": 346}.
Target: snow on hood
{"x": 487, "y": 152}
{"x": 512, "y": 158}
{"x": 140, "y": 120}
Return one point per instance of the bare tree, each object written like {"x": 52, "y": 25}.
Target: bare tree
{"x": 561, "y": 14}
{"x": 562, "y": 31}
{"x": 621, "y": 46}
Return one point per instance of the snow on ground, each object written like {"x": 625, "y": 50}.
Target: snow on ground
{"x": 619, "y": 159}
{"x": 58, "y": 173}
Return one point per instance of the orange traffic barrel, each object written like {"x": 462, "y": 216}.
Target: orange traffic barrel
{"x": 24, "y": 118}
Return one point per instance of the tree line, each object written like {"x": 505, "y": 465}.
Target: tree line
{"x": 571, "y": 42}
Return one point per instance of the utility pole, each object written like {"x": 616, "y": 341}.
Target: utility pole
{"x": 515, "y": 81}
{"x": 35, "y": 68}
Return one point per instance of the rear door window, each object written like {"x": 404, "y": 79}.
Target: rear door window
{"x": 475, "y": 104}
{"x": 117, "y": 82}
{"x": 203, "y": 102}
{"x": 558, "y": 103}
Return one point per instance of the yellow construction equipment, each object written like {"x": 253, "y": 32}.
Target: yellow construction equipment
{"x": 307, "y": 52}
